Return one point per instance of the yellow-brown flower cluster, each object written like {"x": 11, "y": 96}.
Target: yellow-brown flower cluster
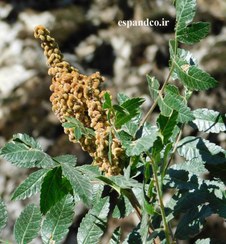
{"x": 79, "y": 96}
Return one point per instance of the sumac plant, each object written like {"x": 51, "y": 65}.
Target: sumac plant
{"x": 134, "y": 164}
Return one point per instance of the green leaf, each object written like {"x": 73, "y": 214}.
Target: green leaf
{"x": 153, "y": 86}
{"x": 133, "y": 237}
{"x": 66, "y": 159}
{"x": 122, "y": 208}
{"x": 122, "y": 98}
{"x": 3, "y": 215}
{"x": 203, "y": 241}
{"x": 53, "y": 189}
{"x": 209, "y": 121}
{"x": 194, "y": 166}
{"x": 192, "y": 77}
{"x": 167, "y": 125}
{"x": 107, "y": 101}
{"x": 94, "y": 223}
{"x": 79, "y": 182}
{"x": 132, "y": 126}
{"x": 24, "y": 151}
{"x": 30, "y": 186}
{"x": 192, "y": 222}
{"x": 193, "y": 33}
{"x": 128, "y": 110}
{"x": 144, "y": 226}
{"x": 116, "y": 236}
{"x": 144, "y": 143}
{"x": 27, "y": 225}
{"x": 79, "y": 128}
{"x": 124, "y": 183}
{"x": 194, "y": 147}
{"x": 58, "y": 220}
{"x": 185, "y": 12}
{"x": 89, "y": 171}
{"x": 174, "y": 101}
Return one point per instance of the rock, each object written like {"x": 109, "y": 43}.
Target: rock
{"x": 216, "y": 8}
{"x": 31, "y": 18}
{"x": 13, "y": 76}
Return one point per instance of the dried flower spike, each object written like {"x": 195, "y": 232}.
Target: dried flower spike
{"x": 79, "y": 96}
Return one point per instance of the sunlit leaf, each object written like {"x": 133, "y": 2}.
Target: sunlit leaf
{"x": 27, "y": 225}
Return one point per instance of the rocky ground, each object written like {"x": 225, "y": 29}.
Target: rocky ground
{"x": 89, "y": 37}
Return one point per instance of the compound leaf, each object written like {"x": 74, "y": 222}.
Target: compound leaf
{"x": 209, "y": 121}
{"x": 3, "y": 215}
{"x": 79, "y": 182}
{"x": 30, "y": 186}
{"x": 58, "y": 220}
{"x": 27, "y": 225}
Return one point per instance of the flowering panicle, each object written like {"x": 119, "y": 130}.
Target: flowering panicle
{"x": 79, "y": 96}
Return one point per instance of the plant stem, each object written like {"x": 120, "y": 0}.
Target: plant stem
{"x": 175, "y": 147}
{"x": 159, "y": 196}
{"x": 136, "y": 205}
{"x": 159, "y": 95}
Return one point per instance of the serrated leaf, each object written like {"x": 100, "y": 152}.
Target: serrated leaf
{"x": 209, "y": 121}
{"x": 185, "y": 12}
{"x": 174, "y": 101}
{"x": 142, "y": 144}
{"x": 133, "y": 237}
{"x": 116, "y": 236}
{"x": 121, "y": 97}
{"x": 181, "y": 179}
{"x": 153, "y": 86}
{"x": 58, "y": 220}
{"x": 27, "y": 225}
{"x": 167, "y": 125}
{"x": 94, "y": 223}
{"x": 132, "y": 126}
{"x": 192, "y": 77}
{"x": 194, "y": 166}
{"x": 203, "y": 241}
{"x": 144, "y": 226}
{"x": 192, "y": 222}
{"x": 193, "y": 33}
{"x": 122, "y": 182}
{"x": 3, "y": 215}
{"x": 23, "y": 151}
{"x": 66, "y": 159}
{"x": 79, "y": 128}
{"x": 195, "y": 147}
{"x": 30, "y": 186}
{"x": 53, "y": 189}
{"x": 79, "y": 182}
{"x": 90, "y": 171}
{"x": 122, "y": 208}
{"x": 128, "y": 110}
